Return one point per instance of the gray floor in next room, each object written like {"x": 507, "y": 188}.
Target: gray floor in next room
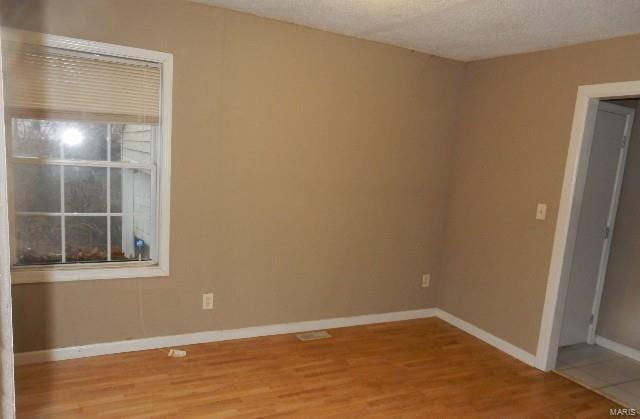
{"x": 609, "y": 373}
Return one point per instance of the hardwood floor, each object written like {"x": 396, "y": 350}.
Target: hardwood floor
{"x": 417, "y": 368}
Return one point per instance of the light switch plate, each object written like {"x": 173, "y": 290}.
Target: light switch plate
{"x": 541, "y": 212}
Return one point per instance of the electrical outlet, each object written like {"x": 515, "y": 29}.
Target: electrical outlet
{"x": 207, "y": 301}
{"x": 426, "y": 280}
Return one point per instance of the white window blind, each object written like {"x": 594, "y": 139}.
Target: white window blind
{"x": 53, "y": 83}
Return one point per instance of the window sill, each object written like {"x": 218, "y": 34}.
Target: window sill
{"x": 69, "y": 273}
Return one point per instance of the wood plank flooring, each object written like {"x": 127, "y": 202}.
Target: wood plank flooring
{"x": 418, "y": 368}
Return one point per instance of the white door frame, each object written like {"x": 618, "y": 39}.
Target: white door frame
{"x": 575, "y": 174}
{"x": 629, "y": 114}
{"x": 7, "y": 386}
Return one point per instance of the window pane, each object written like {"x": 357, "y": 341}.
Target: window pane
{"x": 116, "y": 142}
{"x": 142, "y": 209}
{"x": 83, "y": 141}
{"x": 80, "y": 140}
{"x": 117, "y": 250}
{"x": 132, "y": 143}
{"x": 85, "y": 189}
{"x": 33, "y": 138}
{"x": 116, "y": 190}
{"x": 137, "y": 214}
{"x": 127, "y": 246}
{"x": 38, "y": 239}
{"x": 37, "y": 188}
{"x": 86, "y": 239}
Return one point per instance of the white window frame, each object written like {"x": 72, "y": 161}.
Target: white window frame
{"x": 159, "y": 265}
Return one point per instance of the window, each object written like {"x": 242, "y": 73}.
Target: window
{"x": 88, "y": 152}
{"x": 82, "y": 191}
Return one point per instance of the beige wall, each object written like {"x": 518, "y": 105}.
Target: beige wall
{"x": 509, "y": 155}
{"x": 620, "y": 306}
{"x": 310, "y": 175}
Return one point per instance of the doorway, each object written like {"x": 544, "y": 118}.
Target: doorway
{"x": 571, "y": 336}
{"x": 596, "y": 222}
{"x": 601, "y": 262}
{"x": 573, "y": 188}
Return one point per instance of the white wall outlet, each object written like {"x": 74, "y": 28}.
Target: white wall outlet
{"x": 541, "y": 212}
{"x": 426, "y": 280}
{"x": 207, "y": 301}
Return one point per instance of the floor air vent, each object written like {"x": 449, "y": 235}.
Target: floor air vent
{"x": 321, "y": 334}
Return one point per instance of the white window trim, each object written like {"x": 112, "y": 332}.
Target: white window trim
{"x": 159, "y": 266}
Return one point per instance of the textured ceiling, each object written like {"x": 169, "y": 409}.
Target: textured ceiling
{"x": 460, "y": 29}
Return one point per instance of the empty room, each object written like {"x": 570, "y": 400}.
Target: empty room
{"x": 294, "y": 208}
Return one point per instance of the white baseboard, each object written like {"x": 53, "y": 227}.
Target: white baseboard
{"x": 618, "y": 347}
{"x": 106, "y": 348}
{"x": 60, "y": 354}
{"x": 487, "y": 337}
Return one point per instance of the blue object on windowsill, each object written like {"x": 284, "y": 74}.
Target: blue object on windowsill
{"x": 139, "y": 246}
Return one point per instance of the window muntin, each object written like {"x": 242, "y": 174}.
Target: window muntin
{"x": 90, "y": 200}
